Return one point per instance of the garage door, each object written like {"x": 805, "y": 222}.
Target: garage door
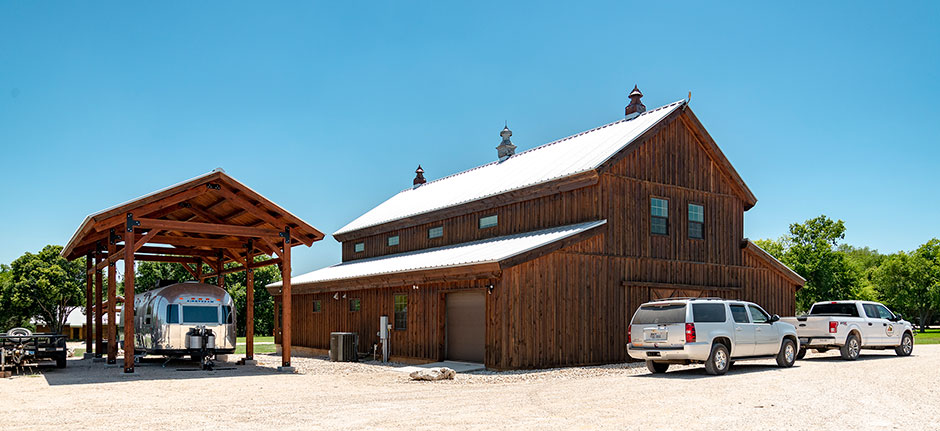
{"x": 466, "y": 326}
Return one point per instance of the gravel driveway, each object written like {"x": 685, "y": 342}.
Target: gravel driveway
{"x": 879, "y": 391}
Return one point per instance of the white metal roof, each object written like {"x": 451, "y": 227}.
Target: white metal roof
{"x": 562, "y": 158}
{"x": 469, "y": 253}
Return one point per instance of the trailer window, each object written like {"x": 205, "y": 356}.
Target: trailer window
{"x": 704, "y": 313}
{"x": 227, "y": 313}
{"x": 656, "y": 314}
{"x": 199, "y": 314}
{"x": 172, "y": 313}
{"x": 840, "y": 309}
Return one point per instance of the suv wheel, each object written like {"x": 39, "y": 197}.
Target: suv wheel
{"x": 907, "y": 345}
{"x": 851, "y": 348}
{"x": 801, "y": 353}
{"x": 657, "y": 367}
{"x": 718, "y": 361}
{"x": 787, "y": 355}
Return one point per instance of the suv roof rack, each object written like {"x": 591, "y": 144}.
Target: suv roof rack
{"x": 674, "y": 298}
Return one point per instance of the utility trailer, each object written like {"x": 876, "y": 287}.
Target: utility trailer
{"x": 20, "y": 348}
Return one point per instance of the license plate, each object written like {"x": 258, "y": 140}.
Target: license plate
{"x": 656, "y": 335}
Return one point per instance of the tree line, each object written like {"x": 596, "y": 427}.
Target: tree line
{"x": 908, "y": 282}
{"x": 45, "y": 287}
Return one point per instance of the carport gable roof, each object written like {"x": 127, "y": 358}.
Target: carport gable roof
{"x": 214, "y": 198}
{"x": 476, "y": 259}
{"x": 774, "y": 264}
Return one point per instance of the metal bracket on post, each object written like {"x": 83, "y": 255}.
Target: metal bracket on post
{"x": 113, "y": 238}
{"x": 131, "y": 223}
{"x": 285, "y": 234}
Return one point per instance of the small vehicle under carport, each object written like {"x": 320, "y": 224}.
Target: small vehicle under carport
{"x": 20, "y": 347}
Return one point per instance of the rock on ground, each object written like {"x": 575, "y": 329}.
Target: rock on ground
{"x": 442, "y": 373}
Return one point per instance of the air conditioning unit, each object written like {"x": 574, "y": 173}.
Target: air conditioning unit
{"x": 344, "y": 347}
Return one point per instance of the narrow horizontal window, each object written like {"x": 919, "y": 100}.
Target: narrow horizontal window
{"x": 316, "y": 306}
{"x": 392, "y": 240}
{"x": 355, "y": 304}
{"x": 359, "y": 247}
{"x": 436, "y": 232}
{"x": 659, "y": 216}
{"x": 696, "y": 221}
{"x": 488, "y": 221}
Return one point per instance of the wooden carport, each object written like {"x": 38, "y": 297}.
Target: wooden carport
{"x": 209, "y": 220}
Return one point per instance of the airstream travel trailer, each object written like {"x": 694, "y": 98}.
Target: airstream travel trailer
{"x": 182, "y": 319}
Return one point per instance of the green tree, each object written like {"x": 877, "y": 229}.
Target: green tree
{"x": 44, "y": 285}
{"x": 864, "y": 261}
{"x": 810, "y": 250}
{"x": 7, "y": 314}
{"x": 910, "y": 282}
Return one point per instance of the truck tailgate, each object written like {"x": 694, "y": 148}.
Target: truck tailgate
{"x": 810, "y": 326}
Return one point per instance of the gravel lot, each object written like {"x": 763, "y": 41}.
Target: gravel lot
{"x": 879, "y": 391}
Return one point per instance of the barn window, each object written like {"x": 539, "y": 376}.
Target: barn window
{"x": 696, "y": 221}
{"x": 436, "y": 232}
{"x": 316, "y": 306}
{"x": 659, "y": 216}
{"x": 401, "y": 311}
{"x": 359, "y": 247}
{"x": 393, "y": 240}
{"x": 355, "y": 304}
{"x": 488, "y": 221}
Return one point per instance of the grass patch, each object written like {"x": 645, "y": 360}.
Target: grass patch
{"x": 932, "y": 336}
{"x": 259, "y": 348}
{"x": 79, "y": 353}
{"x": 258, "y": 339}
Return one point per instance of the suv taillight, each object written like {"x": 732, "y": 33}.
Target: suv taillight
{"x": 689, "y": 332}
{"x": 833, "y": 327}
{"x": 629, "y": 337}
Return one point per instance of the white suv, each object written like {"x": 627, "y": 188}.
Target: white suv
{"x": 712, "y": 331}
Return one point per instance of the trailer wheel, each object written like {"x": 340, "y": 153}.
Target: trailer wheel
{"x": 60, "y": 361}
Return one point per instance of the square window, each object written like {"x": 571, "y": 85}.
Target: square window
{"x": 696, "y": 213}
{"x": 393, "y": 240}
{"x": 658, "y": 225}
{"x": 659, "y": 207}
{"x": 359, "y": 247}
{"x": 436, "y": 232}
{"x": 355, "y": 304}
{"x": 488, "y": 221}
{"x": 316, "y": 306}
{"x": 401, "y": 311}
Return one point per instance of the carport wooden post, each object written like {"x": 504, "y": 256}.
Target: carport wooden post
{"x": 112, "y": 302}
{"x": 99, "y": 344}
{"x": 129, "y": 295}
{"x": 88, "y": 267}
{"x": 285, "y": 303}
{"x": 220, "y": 277}
{"x": 249, "y": 305}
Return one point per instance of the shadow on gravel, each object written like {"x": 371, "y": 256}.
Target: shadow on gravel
{"x": 865, "y": 356}
{"x": 82, "y": 372}
{"x": 699, "y": 372}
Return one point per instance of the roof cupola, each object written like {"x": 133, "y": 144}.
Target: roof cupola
{"x": 505, "y": 148}
{"x": 635, "y": 106}
{"x": 419, "y": 177}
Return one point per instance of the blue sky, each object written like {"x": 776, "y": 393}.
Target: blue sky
{"x": 327, "y": 108}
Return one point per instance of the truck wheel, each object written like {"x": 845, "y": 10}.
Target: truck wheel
{"x": 907, "y": 345}
{"x": 657, "y": 367}
{"x": 718, "y": 361}
{"x": 801, "y": 353}
{"x": 787, "y": 355}
{"x": 851, "y": 348}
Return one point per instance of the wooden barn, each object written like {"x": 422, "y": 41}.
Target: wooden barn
{"x": 540, "y": 258}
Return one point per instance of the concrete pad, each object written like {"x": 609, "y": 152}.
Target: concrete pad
{"x": 248, "y": 362}
{"x": 460, "y": 367}
{"x": 287, "y": 370}
{"x": 88, "y": 355}
{"x": 98, "y": 359}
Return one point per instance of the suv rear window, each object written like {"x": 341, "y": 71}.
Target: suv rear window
{"x": 656, "y": 314}
{"x": 704, "y": 313}
{"x": 835, "y": 310}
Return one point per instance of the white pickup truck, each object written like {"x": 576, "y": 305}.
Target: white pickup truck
{"x": 851, "y": 326}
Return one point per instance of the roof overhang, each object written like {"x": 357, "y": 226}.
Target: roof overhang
{"x": 483, "y": 259}
{"x": 774, "y": 264}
